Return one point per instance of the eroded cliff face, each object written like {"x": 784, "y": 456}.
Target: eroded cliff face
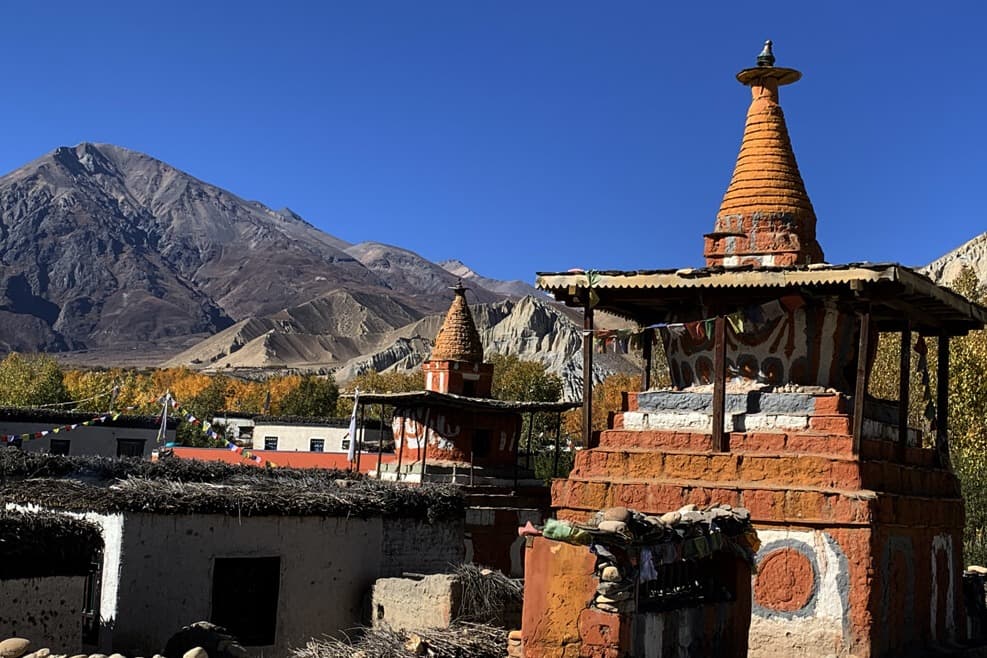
{"x": 972, "y": 254}
{"x": 530, "y": 328}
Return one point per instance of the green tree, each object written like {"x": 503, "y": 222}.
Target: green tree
{"x": 204, "y": 406}
{"x": 526, "y": 381}
{"x": 28, "y": 380}
{"x": 314, "y": 396}
{"x": 379, "y": 382}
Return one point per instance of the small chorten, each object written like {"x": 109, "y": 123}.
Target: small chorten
{"x": 456, "y": 364}
{"x": 766, "y": 218}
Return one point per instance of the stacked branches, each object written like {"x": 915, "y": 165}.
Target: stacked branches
{"x": 461, "y": 640}
{"x": 179, "y": 486}
{"x": 487, "y": 594}
{"x": 17, "y": 463}
{"x": 41, "y": 544}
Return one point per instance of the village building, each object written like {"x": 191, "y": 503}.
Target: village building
{"x": 769, "y": 348}
{"x": 276, "y": 556}
{"x": 237, "y": 426}
{"x": 454, "y": 432}
{"x": 104, "y": 434}
{"x": 45, "y": 576}
{"x": 306, "y": 434}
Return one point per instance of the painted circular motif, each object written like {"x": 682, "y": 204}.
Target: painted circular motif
{"x": 785, "y": 581}
{"x": 704, "y": 370}
{"x": 747, "y": 366}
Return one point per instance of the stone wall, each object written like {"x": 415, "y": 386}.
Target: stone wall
{"x": 47, "y": 609}
{"x": 415, "y": 546}
{"x": 409, "y": 604}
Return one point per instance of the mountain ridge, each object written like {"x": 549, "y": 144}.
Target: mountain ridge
{"x": 101, "y": 246}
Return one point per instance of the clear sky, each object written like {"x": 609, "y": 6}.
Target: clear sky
{"x": 522, "y": 136}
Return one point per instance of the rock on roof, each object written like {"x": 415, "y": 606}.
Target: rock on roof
{"x": 458, "y": 339}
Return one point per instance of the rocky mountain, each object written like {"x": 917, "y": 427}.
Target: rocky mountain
{"x": 399, "y": 269}
{"x": 104, "y": 248}
{"x": 311, "y": 337}
{"x": 108, "y": 254}
{"x": 969, "y": 254}
{"x": 510, "y": 288}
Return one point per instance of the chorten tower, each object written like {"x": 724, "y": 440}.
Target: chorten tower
{"x": 769, "y": 351}
{"x": 456, "y": 364}
{"x": 766, "y": 218}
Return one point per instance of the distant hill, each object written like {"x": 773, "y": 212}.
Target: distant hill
{"x": 532, "y": 328}
{"x": 108, "y": 249}
{"x": 113, "y": 257}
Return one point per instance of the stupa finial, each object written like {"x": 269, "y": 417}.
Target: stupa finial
{"x": 767, "y": 56}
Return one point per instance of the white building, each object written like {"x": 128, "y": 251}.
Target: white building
{"x": 302, "y": 434}
{"x": 64, "y": 432}
{"x": 274, "y": 558}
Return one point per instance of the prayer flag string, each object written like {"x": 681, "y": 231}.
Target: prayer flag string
{"x": 208, "y": 430}
{"x": 16, "y": 439}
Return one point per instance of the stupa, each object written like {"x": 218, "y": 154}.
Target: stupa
{"x": 769, "y": 350}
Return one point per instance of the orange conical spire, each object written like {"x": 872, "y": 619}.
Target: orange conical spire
{"x": 458, "y": 339}
{"x": 766, "y": 218}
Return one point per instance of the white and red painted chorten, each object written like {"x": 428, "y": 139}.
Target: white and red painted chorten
{"x": 769, "y": 351}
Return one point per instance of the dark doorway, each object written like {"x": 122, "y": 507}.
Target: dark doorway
{"x": 245, "y": 597}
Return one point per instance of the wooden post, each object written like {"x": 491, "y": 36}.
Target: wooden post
{"x": 380, "y": 438}
{"x": 399, "y": 448}
{"x": 587, "y": 375}
{"x": 517, "y": 450}
{"x": 558, "y": 437}
{"x": 904, "y": 384}
{"x": 860, "y": 392}
{"x": 648, "y": 337}
{"x": 720, "y": 439}
{"x": 361, "y": 431}
{"x": 428, "y": 417}
{"x": 942, "y": 401}
{"x": 531, "y": 426}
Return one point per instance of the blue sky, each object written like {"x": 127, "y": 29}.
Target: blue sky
{"x": 521, "y": 136}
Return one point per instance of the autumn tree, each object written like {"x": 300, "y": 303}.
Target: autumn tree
{"x": 28, "y": 380}
{"x": 378, "y": 382}
{"x": 607, "y": 400}
{"x": 315, "y": 395}
{"x": 526, "y": 381}
{"x": 968, "y": 421}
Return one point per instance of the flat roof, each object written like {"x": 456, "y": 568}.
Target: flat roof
{"x": 37, "y": 415}
{"x": 893, "y": 292}
{"x": 187, "y": 486}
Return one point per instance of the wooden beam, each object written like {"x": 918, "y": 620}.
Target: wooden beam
{"x": 860, "y": 392}
{"x": 904, "y": 384}
{"x": 587, "y": 375}
{"x": 720, "y": 439}
{"x": 942, "y": 400}
{"x": 648, "y": 337}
